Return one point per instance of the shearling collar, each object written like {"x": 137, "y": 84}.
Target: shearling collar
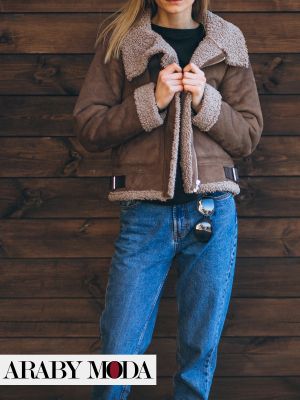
{"x": 222, "y": 39}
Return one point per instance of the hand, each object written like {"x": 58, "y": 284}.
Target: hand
{"x": 194, "y": 82}
{"x": 168, "y": 83}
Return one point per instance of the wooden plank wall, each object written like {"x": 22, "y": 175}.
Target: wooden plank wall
{"x": 57, "y": 226}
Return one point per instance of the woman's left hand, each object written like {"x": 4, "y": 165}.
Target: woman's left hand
{"x": 194, "y": 82}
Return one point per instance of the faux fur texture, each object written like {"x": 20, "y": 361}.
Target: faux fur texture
{"x": 141, "y": 42}
{"x": 175, "y": 144}
{"x": 229, "y": 186}
{"x": 136, "y": 194}
{"x": 188, "y": 159}
{"x": 147, "y": 109}
{"x": 223, "y": 40}
{"x": 210, "y": 109}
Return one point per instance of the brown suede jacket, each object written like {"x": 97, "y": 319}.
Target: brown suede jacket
{"x": 116, "y": 110}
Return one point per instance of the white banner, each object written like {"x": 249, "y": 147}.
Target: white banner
{"x": 86, "y": 369}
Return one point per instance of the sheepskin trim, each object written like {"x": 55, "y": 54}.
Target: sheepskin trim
{"x": 147, "y": 110}
{"x": 175, "y": 144}
{"x": 206, "y": 50}
{"x": 210, "y": 109}
{"x": 141, "y": 42}
{"x": 210, "y": 187}
{"x": 228, "y": 37}
{"x": 186, "y": 137}
{"x": 136, "y": 195}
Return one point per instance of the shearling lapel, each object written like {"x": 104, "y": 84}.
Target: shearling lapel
{"x": 222, "y": 37}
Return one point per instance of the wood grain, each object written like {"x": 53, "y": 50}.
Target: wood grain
{"x": 274, "y": 277}
{"x": 56, "y": 318}
{"x": 239, "y": 356}
{"x": 52, "y": 115}
{"x": 225, "y": 388}
{"x": 74, "y": 197}
{"x": 58, "y": 228}
{"x": 95, "y": 237}
{"x": 63, "y": 74}
{"x": 22, "y": 33}
{"x": 65, "y": 157}
{"x": 113, "y": 5}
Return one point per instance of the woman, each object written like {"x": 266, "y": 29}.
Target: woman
{"x": 172, "y": 94}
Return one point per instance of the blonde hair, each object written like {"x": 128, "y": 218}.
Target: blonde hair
{"x": 126, "y": 16}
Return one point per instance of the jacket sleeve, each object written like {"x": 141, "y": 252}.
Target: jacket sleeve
{"x": 232, "y": 115}
{"x": 102, "y": 119}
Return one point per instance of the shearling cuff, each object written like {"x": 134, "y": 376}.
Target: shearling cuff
{"x": 210, "y": 109}
{"x": 148, "y": 112}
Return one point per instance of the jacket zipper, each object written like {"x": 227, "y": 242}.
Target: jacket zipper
{"x": 198, "y": 182}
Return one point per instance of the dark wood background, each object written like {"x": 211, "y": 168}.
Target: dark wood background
{"x": 58, "y": 228}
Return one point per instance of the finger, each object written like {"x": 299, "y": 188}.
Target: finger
{"x": 173, "y": 67}
{"x": 174, "y": 75}
{"x": 175, "y": 83}
{"x": 192, "y": 67}
{"x": 187, "y": 74}
{"x": 176, "y": 88}
{"x": 190, "y": 88}
{"x": 195, "y": 82}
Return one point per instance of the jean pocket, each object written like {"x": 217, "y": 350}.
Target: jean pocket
{"x": 220, "y": 195}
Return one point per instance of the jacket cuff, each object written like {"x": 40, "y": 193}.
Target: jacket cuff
{"x": 210, "y": 109}
{"x": 147, "y": 110}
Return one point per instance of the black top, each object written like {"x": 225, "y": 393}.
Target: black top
{"x": 184, "y": 41}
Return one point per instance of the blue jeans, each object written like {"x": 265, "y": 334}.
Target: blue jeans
{"x": 150, "y": 236}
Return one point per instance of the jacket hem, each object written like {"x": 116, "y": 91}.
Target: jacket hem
{"x": 228, "y": 186}
{"x": 136, "y": 195}
{"x": 210, "y": 187}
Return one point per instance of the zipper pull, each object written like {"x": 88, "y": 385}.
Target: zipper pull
{"x": 197, "y": 185}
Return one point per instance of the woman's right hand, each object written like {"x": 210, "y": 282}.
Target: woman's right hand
{"x": 168, "y": 83}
